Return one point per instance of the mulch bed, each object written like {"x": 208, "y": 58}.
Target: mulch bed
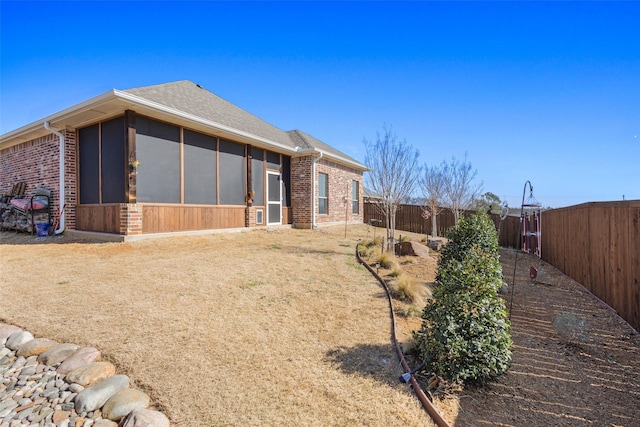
{"x": 575, "y": 362}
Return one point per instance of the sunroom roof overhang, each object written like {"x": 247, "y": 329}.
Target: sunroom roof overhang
{"x": 114, "y": 102}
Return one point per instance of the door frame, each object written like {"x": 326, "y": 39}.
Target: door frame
{"x": 269, "y": 202}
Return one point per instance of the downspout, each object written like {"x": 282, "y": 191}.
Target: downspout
{"x": 314, "y": 192}
{"x": 61, "y": 198}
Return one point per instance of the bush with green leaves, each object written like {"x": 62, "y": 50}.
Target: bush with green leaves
{"x": 465, "y": 333}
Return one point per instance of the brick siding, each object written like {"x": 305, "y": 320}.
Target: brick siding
{"x": 340, "y": 185}
{"x": 36, "y": 162}
{"x": 301, "y": 192}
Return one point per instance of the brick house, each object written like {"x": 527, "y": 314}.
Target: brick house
{"x": 175, "y": 157}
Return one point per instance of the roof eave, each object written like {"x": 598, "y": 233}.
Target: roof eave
{"x": 227, "y": 130}
{"x": 338, "y": 159}
{"x": 36, "y": 129}
{"x": 126, "y": 100}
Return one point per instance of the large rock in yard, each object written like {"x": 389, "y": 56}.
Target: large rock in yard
{"x": 92, "y": 398}
{"x": 91, "y": 373}
{"x": 146, "y": 418}
{"x": 80, "y": 358}
{"x": 6, "y": 331}
{"x": 57, "y": 354}
{"x": 17, "y": 339}
{"x": 35, "y": 347}
{"x": 412, "y": 249}
{"x": 123, "y": 402}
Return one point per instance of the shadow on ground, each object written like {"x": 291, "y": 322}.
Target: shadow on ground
{"x": 374, "y": 361}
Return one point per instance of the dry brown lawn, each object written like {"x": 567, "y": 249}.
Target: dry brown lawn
{"x": 283, "y": 327}
{"x": 278, "y": 327}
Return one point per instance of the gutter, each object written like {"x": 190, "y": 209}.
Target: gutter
{"x": 334, "y": 157}
{"x": 61, "y": 197}
{"x": 314, "y": 192}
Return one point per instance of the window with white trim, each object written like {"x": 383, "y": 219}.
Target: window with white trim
{"x": 355, "y": 197}
{"x": 323, "y": 193}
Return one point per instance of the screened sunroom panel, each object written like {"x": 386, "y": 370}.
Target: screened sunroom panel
{"x": 89, "y": 164}
{"x": 200, "y": 157}
{"x": 232, "y": 173}
{"x": 158, "y": 151}
{"x": 113, "y": 161}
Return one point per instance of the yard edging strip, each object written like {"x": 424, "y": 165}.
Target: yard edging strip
{"x": 426, "y": 403}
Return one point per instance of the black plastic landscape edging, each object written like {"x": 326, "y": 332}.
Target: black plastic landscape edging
{"x": 424, "y": 399}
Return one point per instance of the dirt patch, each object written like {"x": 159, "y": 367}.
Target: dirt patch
{"x": 575, "y": 362}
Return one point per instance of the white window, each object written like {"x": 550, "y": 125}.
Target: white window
{"x": 355, "y": 197}
{"x": 323, "y": 193}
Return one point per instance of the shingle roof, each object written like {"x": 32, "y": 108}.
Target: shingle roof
{"x": 193, "y": 99}
{"x": 304, "y": 140}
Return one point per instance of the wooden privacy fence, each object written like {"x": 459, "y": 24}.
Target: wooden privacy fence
{"x": 409, "y": 218}
{"x": 598, "y": 245}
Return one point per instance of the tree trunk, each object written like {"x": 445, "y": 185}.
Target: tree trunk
{"x": 434, "y": 224}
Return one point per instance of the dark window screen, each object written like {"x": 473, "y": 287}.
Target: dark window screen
{"x": 257, "y": 175}
{"x": 274, "y": 188}
{"x": 199, "y": 168}
{"x": 273, "y": 160}
{"x": 89, "y": 147}
{"x": 113, "y": 161}
{"x": 158, "y": 151}
{"x": 232, "y": 173}
{"x": 273, "y": 213}
{"x": 286, "y": 181}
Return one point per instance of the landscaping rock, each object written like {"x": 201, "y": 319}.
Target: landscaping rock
{"x": 436, "y": 244}
{"x": 35, "y": 347}
{"x": 145, "y": 418}
{"x": 91, "y": 373}
{"x": 57, "y": 354}
{"x": 413, "y": 249}
{"x": 6, "y": 331}
{"x": 80, "y": 358}
{"x": 16, "y": 339}
{"x": 33, "y": 392}
{"x": 123, "y": 402}
{"x": 92, "y": 398}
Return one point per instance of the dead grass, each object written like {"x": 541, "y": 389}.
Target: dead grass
{"x": 254, "y": 328}
{"x": 406, "y": 288}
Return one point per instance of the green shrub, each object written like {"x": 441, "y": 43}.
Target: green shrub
{"x": 465, "y": 333}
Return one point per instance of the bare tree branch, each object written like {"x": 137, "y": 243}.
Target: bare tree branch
{"x": 393, "y": 170}
{"x": 432, "y": 185}
{"x": 460, "y": 190}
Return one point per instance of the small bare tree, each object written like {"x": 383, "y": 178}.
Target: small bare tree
{"x": 432, "y": 186}
{"x": 393, "y": 170}
{"x": 459, "y": 189}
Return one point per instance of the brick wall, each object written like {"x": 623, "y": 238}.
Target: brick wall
{"x": 301, "y": 192}
{"x": 36, "y": 162}
{"x": 340, "y": 185}
{"x": 130, "y": 218}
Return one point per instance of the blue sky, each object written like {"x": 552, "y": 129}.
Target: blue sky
{"x": 541, "y": 91}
